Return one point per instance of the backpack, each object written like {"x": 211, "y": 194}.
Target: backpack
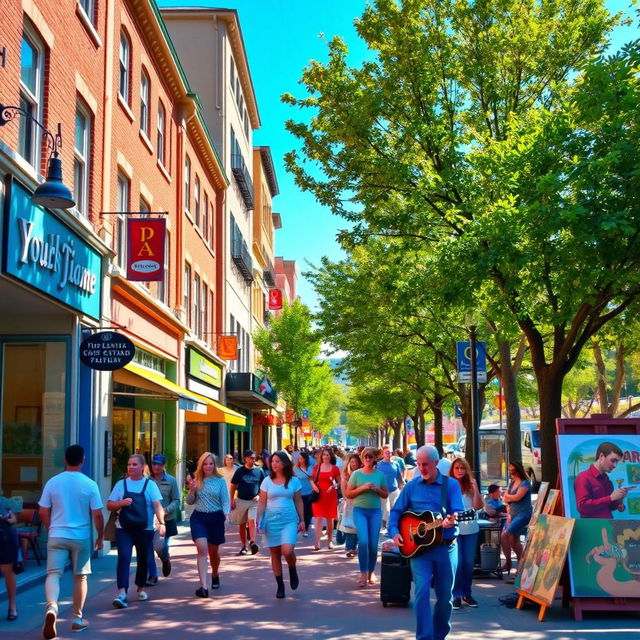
{"x": 134, "y": 517}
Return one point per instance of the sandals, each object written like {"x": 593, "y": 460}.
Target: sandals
{"x": 12, "y": 615}
{"x": 372, "y": 579}
{"x": 316, "y": 547}
{"x": 362, "y": 583}
{"x": 351, "y": 554}
{"x": 330, "y": 545}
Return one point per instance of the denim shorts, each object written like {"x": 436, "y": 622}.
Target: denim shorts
{"x": 207, "y": 525}
{"x": 519, "y": 525}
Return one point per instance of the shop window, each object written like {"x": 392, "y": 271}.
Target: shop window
{"x": 149, "y": 360}
{"x": 34, "y": 416}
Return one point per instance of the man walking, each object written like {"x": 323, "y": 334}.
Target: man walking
{"x": 69, "y": 502}
{"x": 431, "y": 491}
{"x": 246, "y": 480}
{"x": 171, "y": 504}
{"x": 393, "y": 477}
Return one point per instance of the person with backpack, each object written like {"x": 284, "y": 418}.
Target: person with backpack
{"x": 136, "y": 499}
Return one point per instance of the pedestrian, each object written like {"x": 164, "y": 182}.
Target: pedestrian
{"x": 8, "y": 554}
{"x": 246, "y": 483}
{"x": 393, "y": 476}
{"x": 136, "y": 499}
{"x": 264, "y": 459}
{"x": 326, "y": 477}
{"x": 346, "y": 524}
{"x": 437, "y": 493}
{"x": 302, "y": 471}
{"x": 168, "y": 486}
{"x": 210, "y": 497}
{"x": 399, "y": 460}
{"x": 366, "y": 487}
{"x": 70, "y": 502}
{"x": 228, "y": 469}
{"x": 467, "y": 534}
{"x": 281, "y": 517}
{"x": 518, "y": 498}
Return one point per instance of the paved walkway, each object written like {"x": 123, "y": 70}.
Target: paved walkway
{"x": 326, "y": 606}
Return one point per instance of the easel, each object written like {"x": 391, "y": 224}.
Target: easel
{"x": 600, "y": 424}
{"x": 521, "y": 598}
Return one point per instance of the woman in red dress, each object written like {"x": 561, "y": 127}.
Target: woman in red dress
{"x": 326, "y": 476}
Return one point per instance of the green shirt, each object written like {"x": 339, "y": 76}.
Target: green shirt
{"x": 367, "y": 499}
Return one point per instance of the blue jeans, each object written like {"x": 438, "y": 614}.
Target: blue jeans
{"x": 126, "y": 540}
{"x": 350, "y": 541}
{"x": 466, "y": 557}
{"x": 161, "y": 547}
{"x": 438, "y": 562}
{"x": 368, "y": 523}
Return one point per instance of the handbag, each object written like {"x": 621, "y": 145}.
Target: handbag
{"x": 109, "y": 533}
{"x": 171, "y": 528}
{"x": 315, "y": 496}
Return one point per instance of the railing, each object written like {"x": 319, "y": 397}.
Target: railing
{"x": 240, "y": 254}
{"x": 242, "y": 176}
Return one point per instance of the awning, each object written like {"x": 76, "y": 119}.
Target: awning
{"x": 215, "y": 412}
{"x": 153, "y": 381}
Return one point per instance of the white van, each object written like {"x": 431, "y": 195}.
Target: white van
{"x": 530, "y": 438}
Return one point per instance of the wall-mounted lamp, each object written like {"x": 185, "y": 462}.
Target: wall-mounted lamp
{"x": 52, "y": 192}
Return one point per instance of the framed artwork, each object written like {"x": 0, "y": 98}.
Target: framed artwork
{"x": 585, "y": 485}
{"x": 547, "y": 552}
{"x": 550, "y": 504}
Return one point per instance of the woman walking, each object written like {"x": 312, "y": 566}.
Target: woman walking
{"x": 303, "y": 472}
{"x": 8, "y": 556}
{"x": 346, "y": 523}
{"x": 365, "y": 487}
{"x": 209, "y": 494}
{"x": 326, "y": 477}
{"x": 136, "y": 498}
{"x": 467, "y": 536}
{"x": 518, "y": 499}
{"x": 229, "y": 467}
{"x": 280, "y": 517}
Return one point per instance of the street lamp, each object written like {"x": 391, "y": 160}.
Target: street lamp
{"x": 52, "y": 193}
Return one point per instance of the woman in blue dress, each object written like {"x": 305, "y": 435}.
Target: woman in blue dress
{"x": 281, "y": 517}
{"x": 518, "y": 497}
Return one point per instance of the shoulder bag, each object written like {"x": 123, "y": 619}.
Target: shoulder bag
{"x": 315, "y": 496}
{"x": 109, "y": 533}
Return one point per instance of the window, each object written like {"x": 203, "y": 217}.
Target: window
{"x": 187, "y": 293}
{"x": 246, "y": 123}
{"x": 232, "y": 74}
{"x": 163, "y": 285}
{"x": 125, "y": 67}
{"x": 211, "y": 223}
{"x": 205, "y": 218}
{"x": 121, "y": 220}
{"x": 196, "y": 201}
{"x": 88, "y": 6}
{"x": 81, "y": 151}
{"x": 161, "y": 136}
{"x": 145, "y": 208}
{"x": 31, "y": 84}
{"x": 144, "y": 103}
{"x": 205, "y": 313}
{"x": 187, "y": 183}
{"x": 197, "y": 319}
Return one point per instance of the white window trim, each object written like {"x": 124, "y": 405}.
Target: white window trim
{"x": 83, "y": 157}
{"x": 126, "y": 64}
{"x": 161, "y": 131}
{"x": 144, "y": 102}
{"x": 123, "y": 205}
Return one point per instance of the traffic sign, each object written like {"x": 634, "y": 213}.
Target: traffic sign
{"x": 464, "y": 361}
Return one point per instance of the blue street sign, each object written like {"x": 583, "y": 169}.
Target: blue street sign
{"x": 305, "y": 414}
{"x": 458, "y": 411}
{"x": 464, "y": 361}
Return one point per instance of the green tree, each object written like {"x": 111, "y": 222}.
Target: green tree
{"x": 490, "y": 134}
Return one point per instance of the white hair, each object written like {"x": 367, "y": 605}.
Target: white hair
{"x": 429, "y": 451}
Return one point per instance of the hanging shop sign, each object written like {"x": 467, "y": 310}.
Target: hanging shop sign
{"x": 275, "y": 299}
{"x": 228, "y": 347}
{"x": 107, "y": 351}
{"x": 145, "y": 254}
{"x": 47, "y": 255}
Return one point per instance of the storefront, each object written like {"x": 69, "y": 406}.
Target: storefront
{"x": 50, "y": 297}
{"x": 208, "y": 431}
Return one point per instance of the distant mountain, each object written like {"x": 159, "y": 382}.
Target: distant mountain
{"x": 340, "y": 378}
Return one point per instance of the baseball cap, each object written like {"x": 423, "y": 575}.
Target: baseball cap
{"x": 158, "y": 459}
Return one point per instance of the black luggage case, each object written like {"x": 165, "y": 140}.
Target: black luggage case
{"x": 395, "y": 579}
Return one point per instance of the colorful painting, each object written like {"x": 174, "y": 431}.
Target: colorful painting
{"x": 547, "y": 551}
{"x": 604, "y": 558}
{"x": 542, "y": 495}
{"x": 550, "y": 504}
{"x": 593, "y": 466}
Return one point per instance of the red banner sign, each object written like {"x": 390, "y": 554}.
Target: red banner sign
{"x": 275, "y": 299}
{"x": 228, "y": 347}
{"x": 145, "y": 256}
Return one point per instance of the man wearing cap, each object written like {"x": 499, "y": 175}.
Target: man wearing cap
{"x": 171, "y": 503}
{"x": 246, "y": 481}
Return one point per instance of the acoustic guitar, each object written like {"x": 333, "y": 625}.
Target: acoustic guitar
{"x": 423, "y": 530}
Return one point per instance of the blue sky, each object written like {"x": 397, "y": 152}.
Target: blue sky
{"x": 281, "y": 37}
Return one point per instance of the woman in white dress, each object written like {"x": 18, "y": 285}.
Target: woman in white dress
{"x": 281, "y": 517}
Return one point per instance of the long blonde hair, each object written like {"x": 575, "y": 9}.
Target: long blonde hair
{"x": 346, "y": 467}
{"x": 199, "y": 473}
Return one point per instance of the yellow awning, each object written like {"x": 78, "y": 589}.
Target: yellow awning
{"x": 216, "y": 412}
{"x": 188, "y": 400}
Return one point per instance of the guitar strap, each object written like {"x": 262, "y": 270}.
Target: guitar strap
{"x": 443, "y": 497}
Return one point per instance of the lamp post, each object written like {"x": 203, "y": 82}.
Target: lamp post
{"x": 475, "y": 423}
{"x": 52, "y": 192}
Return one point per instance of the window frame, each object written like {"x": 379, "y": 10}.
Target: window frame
{"x": 186, "y": 299}
{"x": 187, "y": 183}
{"x": 161, "y": 127}
{"x": 89, "y": 11}
{"x": 123, "y": 200}
{"x": 145, "y": 94}
{"x": 196, "y": 200}
{"x": 124, "y": 67}
{"x": 197, "y": 308}
{"x": 83, "y": 158}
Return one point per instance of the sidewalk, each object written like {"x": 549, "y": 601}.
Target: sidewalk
{"x": 326, "y": 606}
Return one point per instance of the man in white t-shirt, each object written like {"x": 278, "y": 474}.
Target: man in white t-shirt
{"x": 68, "y": 504}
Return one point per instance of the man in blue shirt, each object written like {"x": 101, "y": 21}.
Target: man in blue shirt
{"x": 393, "y": 476}
{"x": 438, "y": 562}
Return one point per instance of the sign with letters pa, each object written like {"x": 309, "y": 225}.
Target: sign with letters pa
{"x": 145, "y": 255}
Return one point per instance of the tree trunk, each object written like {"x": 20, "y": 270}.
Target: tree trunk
{"x": 512, "y": 405}
{"x": 418, "y": 422}
{"x": 436, "y": 407}
{"x": 549, "y": 380}
{"x": 397, "y": 433}
{"x": 602, "y": 379}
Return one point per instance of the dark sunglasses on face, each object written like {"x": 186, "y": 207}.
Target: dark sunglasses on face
{"x": 368, "y": 457}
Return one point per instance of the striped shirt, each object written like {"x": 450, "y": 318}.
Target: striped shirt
{"x": 214, "y": 496}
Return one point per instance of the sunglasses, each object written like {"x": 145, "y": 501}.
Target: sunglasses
{"x": 368, "y": 457}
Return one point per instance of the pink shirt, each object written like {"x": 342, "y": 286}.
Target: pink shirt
{"x": 592, "y": 490}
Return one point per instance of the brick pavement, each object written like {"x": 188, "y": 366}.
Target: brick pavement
{"x": 326, "y": 606}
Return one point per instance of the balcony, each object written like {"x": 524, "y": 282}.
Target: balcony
{"x": 242, "y": 176}
{"x": 247, "y": 390}
{"x": 269, "y": 275}
{"x": 266, "y": 316}
{"x": 240, "y": 254}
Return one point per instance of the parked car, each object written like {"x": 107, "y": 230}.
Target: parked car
{"x": 530, "y": 439}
